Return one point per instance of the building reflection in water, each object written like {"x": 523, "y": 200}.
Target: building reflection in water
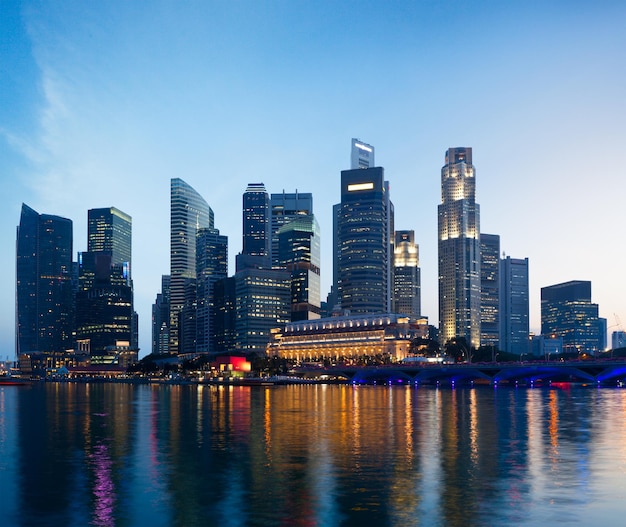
{"x": 106, "y": 454}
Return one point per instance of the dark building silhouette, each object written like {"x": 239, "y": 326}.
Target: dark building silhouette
{"x": 44, "y": 295}
{"x": 514, "y": 306}
{"x": 284, "y": 208}
{"x": 161, "y": 318}
{"x": 256, "y": 229}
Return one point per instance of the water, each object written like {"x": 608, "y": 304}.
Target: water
{"x": 115, "y": 454}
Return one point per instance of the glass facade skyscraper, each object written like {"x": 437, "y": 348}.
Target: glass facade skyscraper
{"x": 284, "y": 208}
{"x": 299, "y": 254}
{"x": 459, "y": 249}
{"x": 189, "y": 212}
{"x": 364, "y": 229}
{"x": 44, "y": 293}
{"x": 514, "y": 306}
{"x": 211, "y": 266}
{"x": 489, "y": 290}
{"x": 110, "y": 230}
{"x": 256, "y": 229}
{"x": 567, "y": 312}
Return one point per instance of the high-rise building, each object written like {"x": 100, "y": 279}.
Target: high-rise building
{"x": 459, "y": 249}
{"x": 189, "y": 212}
{"x": 284, "y": 208}
{"x": 161, "y": 319}
{"x": 361, "y": 155}
{"x": 406, "y": 275}
{"x": 262, "y": 299}
{"x": 105, "y": 319}
{"x": 110, "y": 230}
{"x": 364, "y": 231}
{"x": 489, "y": 290}
{"x": 514, "y": 306}
{"x": 256, "y": 229}
{"x": 299, "y": 253}
{"x": 212, "y": 265}
{"x": 44, "y": 295}
{"x": 567, "y": 312}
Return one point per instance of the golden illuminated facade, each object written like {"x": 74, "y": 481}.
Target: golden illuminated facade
{"x": 348, "y": 337}
{"x": 459, "y": 249}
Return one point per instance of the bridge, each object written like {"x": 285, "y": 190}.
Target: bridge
{"x": 598, "y": 372}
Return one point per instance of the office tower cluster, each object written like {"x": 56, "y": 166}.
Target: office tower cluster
{"x": 87, "y": 306}
{"x": 74, "y": 312}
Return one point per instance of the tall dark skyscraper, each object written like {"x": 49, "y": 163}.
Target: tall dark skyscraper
{"x": 189, "y": 212}
{"x": 459, "y": 249}
{"x": 514, "y": 306}
{"x": 284, "y": 208}
{"x": 299, "y": 253}
{"x": 406, "y": 275}
{"x": 161, "y": 319}
{"x": 105, "y": 318}
{"x": 361, "y": 155}
{"x": 256, "y": 229}
{"x": 567, "y": 312}
{"x": 211, "y": 266}
{"x": 44, "y": 295}
{"x": 364, "y": 230}
{"x": 489, "y": 290}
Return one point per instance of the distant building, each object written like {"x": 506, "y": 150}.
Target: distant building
{"x": 514, "y": 305}
{"x": 459, "y": 249}
{"x": 489, "y": 290}
{"x": 618, "y": 339}
{"x": 110, "y": 230}
{"x": 262, "y": 300}
{"x": 299, "y": 253}
{"x": 211, "y": 266}
{"x": 44, "y": 295}
{"x": 406, "y": 275}
{"x": 286, "y": 207}
{"x": 256, "y": 229}
{"x": 188, "y": 213}
{"x": 161, "y": 319}
{"x": 567, "y": 312}
{"x": 361, "y": 155}
{"x": 364, "y": 242}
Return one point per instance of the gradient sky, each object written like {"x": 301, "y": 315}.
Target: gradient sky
{"x": 101, "y": 103}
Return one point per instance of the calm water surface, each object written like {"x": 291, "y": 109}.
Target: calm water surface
{"x": 113, "y": 454}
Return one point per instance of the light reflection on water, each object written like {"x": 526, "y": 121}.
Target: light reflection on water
{"x": 114, "y": 454}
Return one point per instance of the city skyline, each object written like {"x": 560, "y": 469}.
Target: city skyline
{"x": 98, "y": 114}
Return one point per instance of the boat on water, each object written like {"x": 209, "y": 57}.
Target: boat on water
{"x": 10, "y": 380}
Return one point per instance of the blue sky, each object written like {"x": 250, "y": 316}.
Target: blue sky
{"x": 101, "y": 103}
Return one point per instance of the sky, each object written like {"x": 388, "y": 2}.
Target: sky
{"x": 102, "y": 103}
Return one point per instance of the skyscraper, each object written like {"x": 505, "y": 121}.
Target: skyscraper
{"x": 105, "y": 318}
{"x": 489, "y": 290}
{"x": 364, "y": 230}
{"x": 361, "y": 155}
{"x": 567, "y": 312}
{"x": 406, "y": 275}
{"x": 459, "y": 249}
{"x": 44, "y": 296}
{"x": 256, "y": 229}
{"x": 110, "y": 230}
{"x": 299, "y": 254}
{"x": 211, "y": 266}
{"x": 514, "y": 306}
{"x": 284, "y": 208}
{"x": 161, "y": 319}
{"x": 188, "y": 213}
